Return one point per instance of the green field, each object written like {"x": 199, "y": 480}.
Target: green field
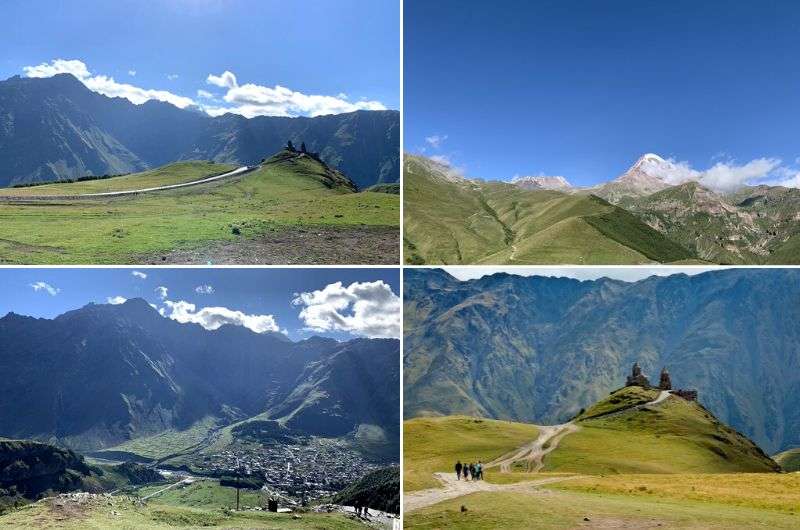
{"x": 165, "y": 443}
{"x": 630, "y": 464}
{"x": 470, "y": 222}
{"x": 205, "y": 494}
{"x": 176, "y": 173}
{"x": 789, "y": 460}
{"x": 556, "y": 507}
{"x": 283, "y": 194}
{"x": 123, "y": 513}
{"x": 675, "y": 436}
{"x": 435, "y": 444}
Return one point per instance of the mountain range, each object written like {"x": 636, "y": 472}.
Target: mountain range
{"x": 539, "y": 349}
{"x": 642, "y": 216}
{"x": 55, "y": 128}
{"x": 104, "y": 374}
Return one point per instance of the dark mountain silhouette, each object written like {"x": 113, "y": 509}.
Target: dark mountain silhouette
{"x": 55, "y": 127}
{"x": 103, "y": 374}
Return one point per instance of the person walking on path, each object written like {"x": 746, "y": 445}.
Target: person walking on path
{"x": 479, "y": 470}
{"x": 458, "y": 470}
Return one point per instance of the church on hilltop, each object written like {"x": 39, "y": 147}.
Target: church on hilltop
{"x": 637, "y": 378}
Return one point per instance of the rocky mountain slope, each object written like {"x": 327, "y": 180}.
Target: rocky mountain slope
{"x": 449, "y": 219}
{"x": 103, "y": 374}
{"x": 55, "y": 127}
{"x": 538, "y": 349}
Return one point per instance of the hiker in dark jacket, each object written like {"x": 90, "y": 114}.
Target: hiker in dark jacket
{"x": 458, "y": 470}
{"x": 465, "y": 471}
{"x": 472, "y": 472}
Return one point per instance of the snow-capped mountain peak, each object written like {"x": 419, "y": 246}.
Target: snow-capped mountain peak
{"x": 557, "y": 183}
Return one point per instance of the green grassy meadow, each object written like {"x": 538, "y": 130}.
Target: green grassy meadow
{"x": 789, "y": 460}
{"x": 121, "y": 513}
{"x": 435, "y": 444}
{"x": 556, "y": 507}
{"x": 176, "y": 173}
{"x": 282, "y": 194}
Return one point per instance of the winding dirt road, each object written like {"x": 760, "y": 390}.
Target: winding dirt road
{"x": 534, "y": 452}
{"x": 106, "y": 194}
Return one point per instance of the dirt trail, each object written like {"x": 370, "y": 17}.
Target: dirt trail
{"x": 453, "y": 488}
{"x": 534, "y": 452}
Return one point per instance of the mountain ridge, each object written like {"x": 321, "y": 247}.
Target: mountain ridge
{"x": 101, "y": 135}
{"x": 539, "y": 349}
{"x": 103, "y": 374}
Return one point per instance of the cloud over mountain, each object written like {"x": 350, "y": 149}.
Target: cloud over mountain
{"x": 370, "y": 309}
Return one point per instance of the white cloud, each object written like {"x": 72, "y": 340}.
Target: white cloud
{"x": 132, "y": 73}
{"x": 46, "y": 287}
{"x": 370, "y": 309}
{"x": 441, "y": 159}
{"x": 215, "y": 317}
{"x": 204, "y": 289}
{"x": 226, "y": 80}
{"x": 722, "y": 176}
{"x": 116, "y": 300}
{"x": 161, "y": 292}
{"x": 436, "y": 140}
{"x": 138, "y": 274}
{"x": 103, "y": 84}
{"x": 251, "y": 100}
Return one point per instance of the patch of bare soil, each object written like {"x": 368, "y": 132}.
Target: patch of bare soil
{"x": 296, "y": 246}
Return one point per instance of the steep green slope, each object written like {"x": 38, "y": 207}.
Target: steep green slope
{"x": 379, "y": 489}
{"x": 435, "y": 444}
{"x": 449, "y": 219}
{"x": 30, "y": 470}
{"x": 674, "y": 436}
{"x": 288, "y": 192}
{"x": 789, "y": 460}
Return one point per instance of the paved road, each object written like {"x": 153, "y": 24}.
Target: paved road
{"x": 24, "y": 198}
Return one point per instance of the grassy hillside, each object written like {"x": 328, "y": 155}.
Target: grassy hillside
{"x": 176, "y": 173}
{"x": 789, "y": 460}
{"x": 449, "y": 220}
{"x": 435, "y": 444}
{"x": 674, "y": 436}
{"x": 732, "y": 501}
{"x": 379, "y": 489}
{"x": 118, "y": 513}
{"x": 284, "y": 194}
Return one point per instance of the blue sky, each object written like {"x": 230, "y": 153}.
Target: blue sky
{"x": 347, "y": 50}
{"x": 364, "y": 304}
{"x": 583, "y": 88}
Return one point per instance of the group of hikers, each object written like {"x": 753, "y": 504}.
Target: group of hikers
{"x": 475, "y": 471}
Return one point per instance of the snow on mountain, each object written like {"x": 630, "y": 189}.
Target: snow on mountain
{"x": 556, "y": 183}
